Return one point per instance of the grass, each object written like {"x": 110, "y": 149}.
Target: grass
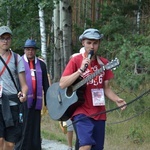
{"x": 51, "y": 130}
{"x": 132, "y": 134}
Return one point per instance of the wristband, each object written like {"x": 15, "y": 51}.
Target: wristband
{"x": 81, "y": 70}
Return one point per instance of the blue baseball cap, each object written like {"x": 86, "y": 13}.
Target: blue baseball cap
{"x": 92, "y": 34}
{"x": 30, "y": 43}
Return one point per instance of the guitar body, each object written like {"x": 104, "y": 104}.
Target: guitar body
{"x": 61, "y": 103}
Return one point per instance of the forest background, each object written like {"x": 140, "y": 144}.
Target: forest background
{"x": 56, "y": 26}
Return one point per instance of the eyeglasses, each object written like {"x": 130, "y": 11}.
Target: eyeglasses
{"x": 5, "y": 39}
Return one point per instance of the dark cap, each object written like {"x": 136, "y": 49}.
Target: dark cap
{"x": 30, "y": 43}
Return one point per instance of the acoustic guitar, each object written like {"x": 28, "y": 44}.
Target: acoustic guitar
{"x": 62, "y": 103}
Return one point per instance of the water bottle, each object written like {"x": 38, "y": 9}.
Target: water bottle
{"x": 20, "y": 118}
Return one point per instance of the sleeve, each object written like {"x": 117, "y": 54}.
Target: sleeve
{"x": 19, "y": 63}
{"x": 73, "y": 65}
{"x": 44, "y": 79}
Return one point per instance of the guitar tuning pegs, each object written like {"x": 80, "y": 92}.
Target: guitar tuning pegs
{"x": 117, "y": 60}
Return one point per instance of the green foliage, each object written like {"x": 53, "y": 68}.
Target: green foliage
{"x": 133, "y": 53}
{"x": 136, "y": 134}
{"x": 24, "y": 20}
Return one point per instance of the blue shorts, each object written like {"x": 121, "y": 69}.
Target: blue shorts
{"x": 90, "y": 131}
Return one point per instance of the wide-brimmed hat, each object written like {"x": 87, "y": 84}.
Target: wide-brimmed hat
{"x": 30, "y": 43}
{"x": 91, "y": 34}
{"x": 5, "y": 29}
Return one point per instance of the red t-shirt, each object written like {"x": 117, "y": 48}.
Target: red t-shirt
{"x": 87, "y": 108}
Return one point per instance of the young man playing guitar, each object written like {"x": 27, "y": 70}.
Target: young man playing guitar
{"x": 90, "y": 129}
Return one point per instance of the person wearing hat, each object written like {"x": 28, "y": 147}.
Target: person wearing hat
{"x": 90, "y": 128}
{"x": 38, "y": 83}
{"x": 11, "y": 96}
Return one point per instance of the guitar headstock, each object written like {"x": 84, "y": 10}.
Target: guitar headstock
{"x": 112, "y": 64}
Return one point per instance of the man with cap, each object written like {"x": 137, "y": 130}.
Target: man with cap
{"x": 90, "y": 128}
{"x": 37, "y": 81}
{"x": 11, "y": 96}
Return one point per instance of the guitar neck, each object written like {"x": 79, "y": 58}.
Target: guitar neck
{"x": 114, "y": 63}
{"x": 85, "y": 80}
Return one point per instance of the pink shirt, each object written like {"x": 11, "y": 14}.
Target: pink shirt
{"x": 87, "y": 108}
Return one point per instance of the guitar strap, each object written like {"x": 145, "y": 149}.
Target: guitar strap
{"x": 99, "y": 61}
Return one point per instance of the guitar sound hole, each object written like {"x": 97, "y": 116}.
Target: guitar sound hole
{"x": 69, "y": 91}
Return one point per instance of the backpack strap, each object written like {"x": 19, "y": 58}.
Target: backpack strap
{"x": 16, "y": 65}
{"x": 16, "y": 59}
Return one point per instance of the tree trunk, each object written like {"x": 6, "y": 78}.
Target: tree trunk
{"x": 138, "y": 16}
{"x": 65, "y": 18}
{"x": 57, "y": 33}
{"x": 8, "y": 15}
{"x": 43, "y": 34}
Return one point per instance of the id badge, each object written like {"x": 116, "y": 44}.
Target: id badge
{"x": 98, "y": 98}
{"x": 32, "y": 72}
{"x": 1, "y": 88}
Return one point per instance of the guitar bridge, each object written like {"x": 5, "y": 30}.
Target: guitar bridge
{"x": 59, "y": 98}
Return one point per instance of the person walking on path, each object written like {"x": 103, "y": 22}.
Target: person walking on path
{"x": 70, "y": 130}
{"x": 13, "y": 91}
{"x": 38, "y": 83}
{"x": 90, "y": 129}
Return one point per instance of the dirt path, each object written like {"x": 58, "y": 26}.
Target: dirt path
{"x": 53, "y": 145}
